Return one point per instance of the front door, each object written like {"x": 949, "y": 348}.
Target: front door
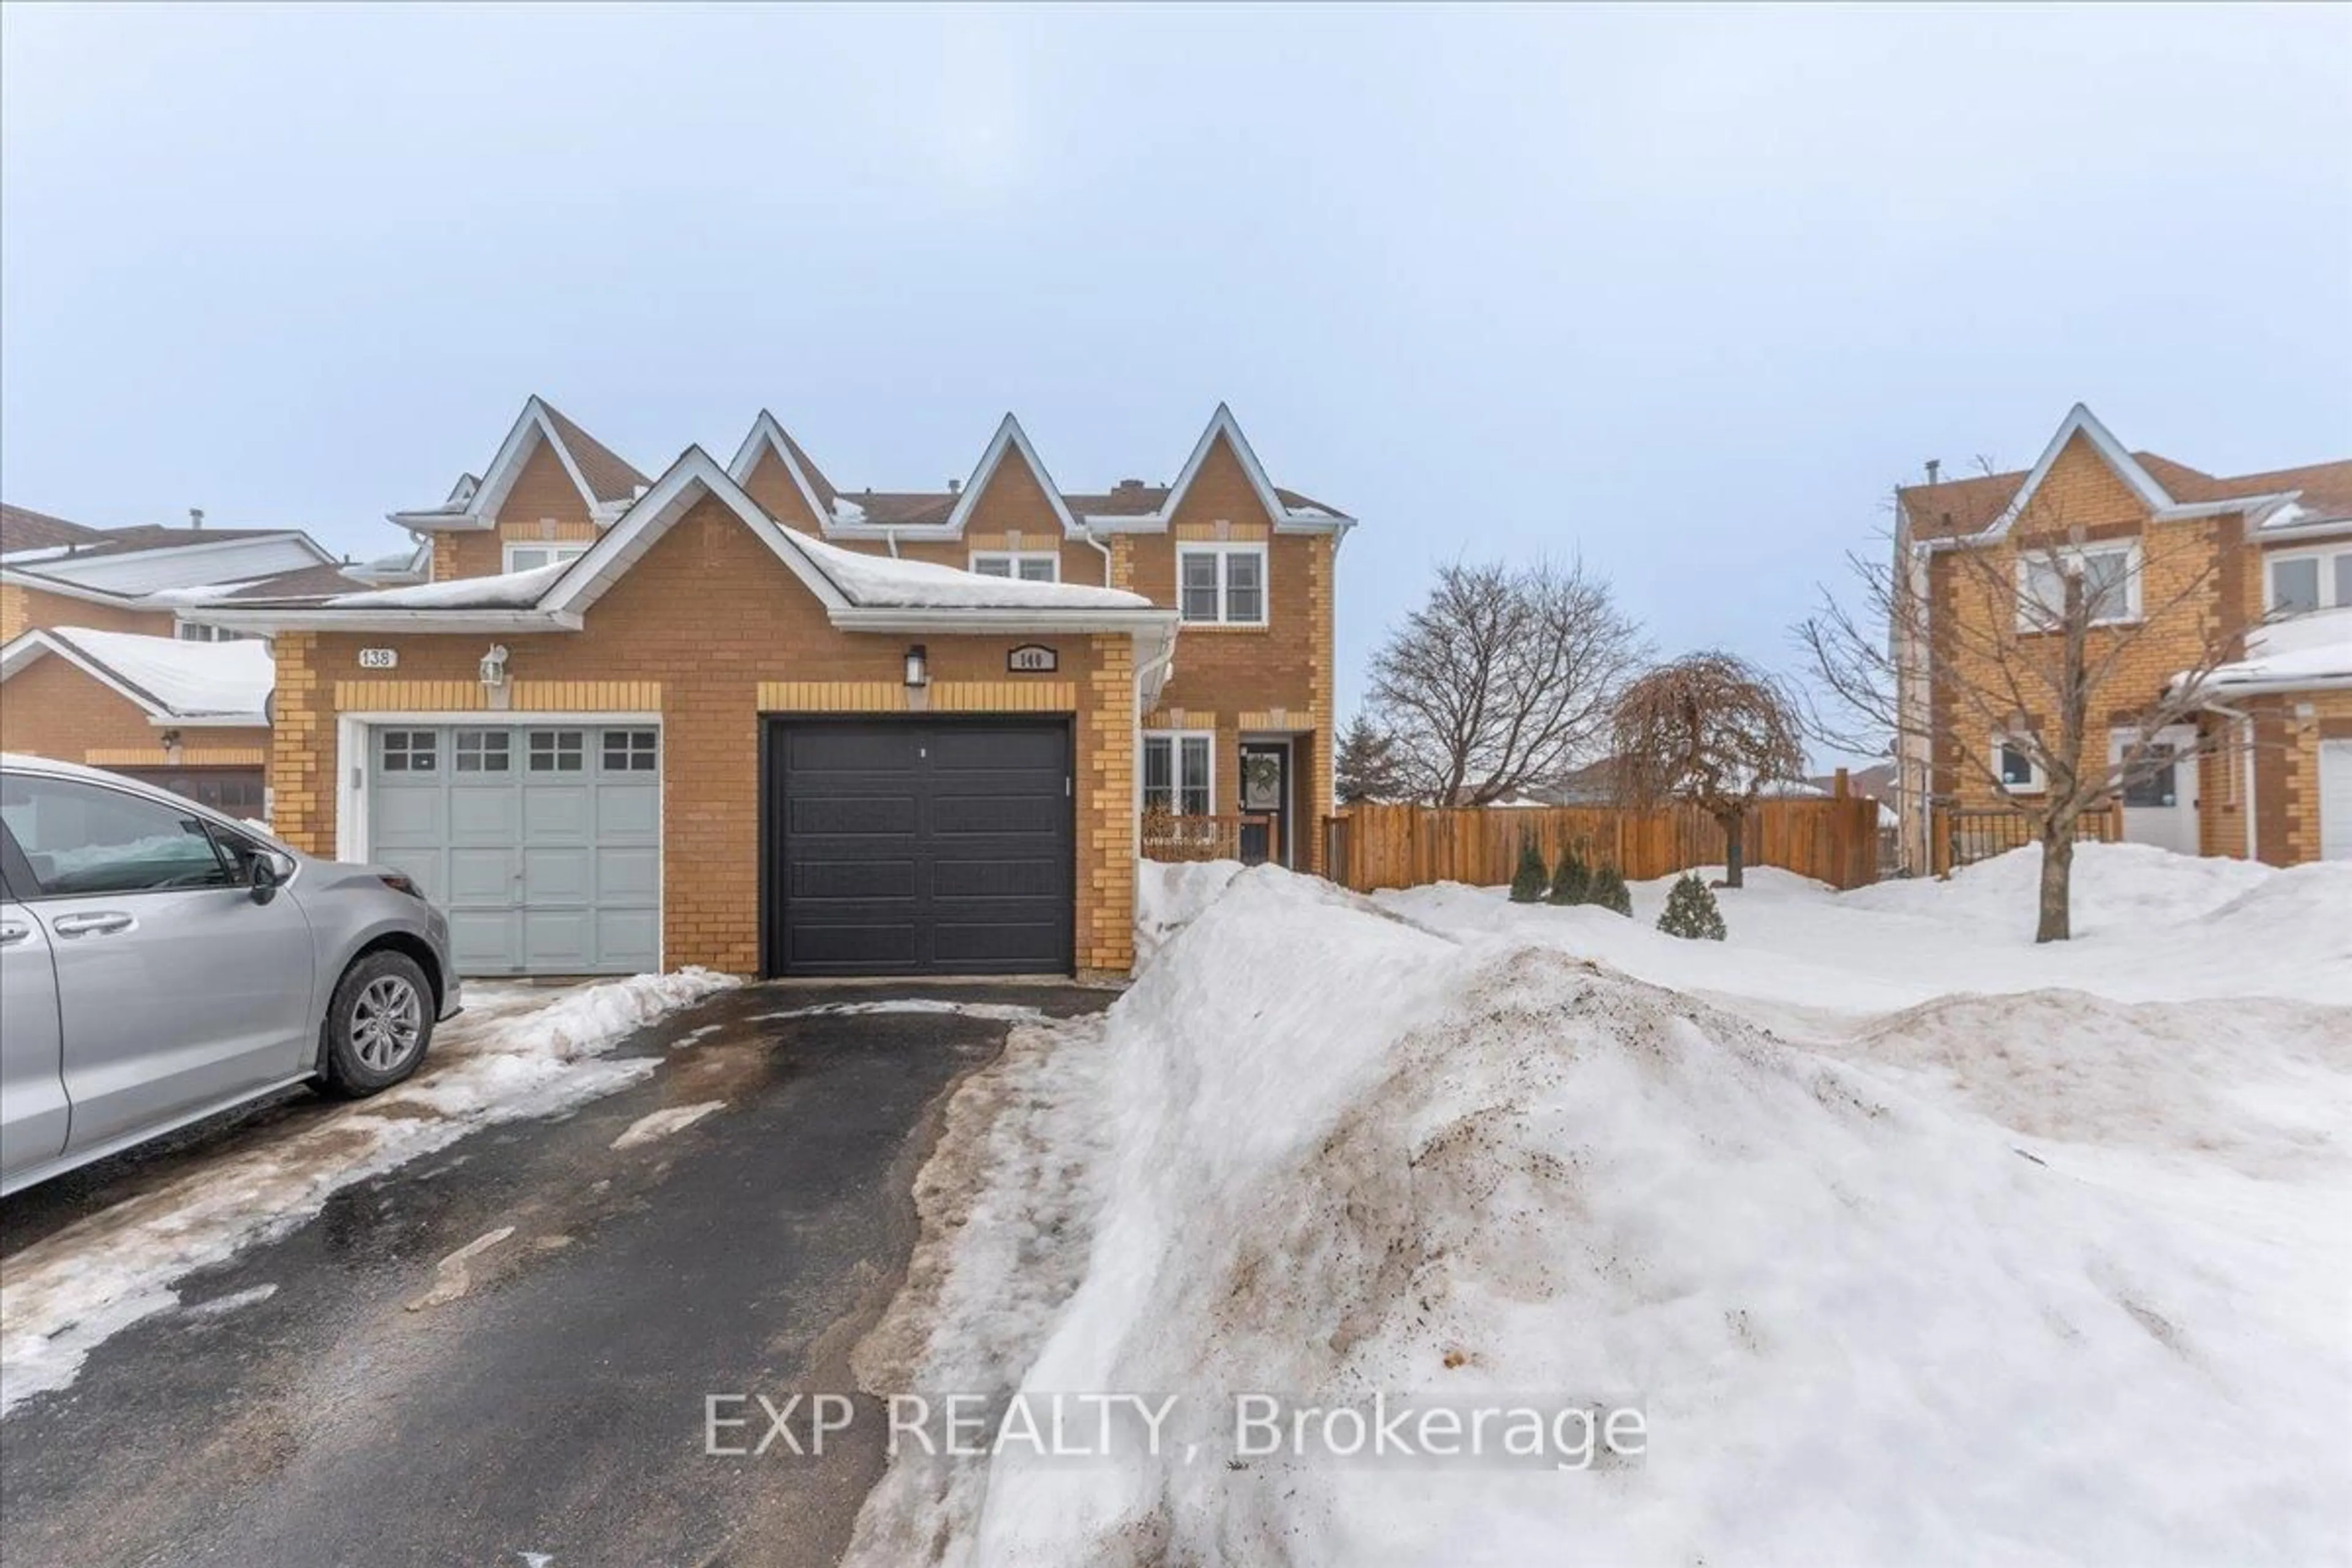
{"x": 1265, "y": 792}
{"x": 2160, "y": 807}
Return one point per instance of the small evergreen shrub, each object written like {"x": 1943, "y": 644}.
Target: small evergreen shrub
{"x": 1529, "y": 882}
{"x": 1690, "y": 912}
{"x": 1572, "y": 883}
{"x": 1609, "y": 890}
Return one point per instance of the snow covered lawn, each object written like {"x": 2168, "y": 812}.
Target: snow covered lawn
{"x": 1913, "y": 1242}
{"x": 516, "y": 1052}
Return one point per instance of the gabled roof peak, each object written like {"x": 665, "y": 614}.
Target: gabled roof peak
{"x": 1009, "y": 439}
{"x": 606, "y": 481}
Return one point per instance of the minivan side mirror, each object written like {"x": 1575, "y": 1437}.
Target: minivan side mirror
{"x": 271, "y": 872}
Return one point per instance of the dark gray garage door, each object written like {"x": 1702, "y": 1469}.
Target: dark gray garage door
{"x": 918, "y": 846}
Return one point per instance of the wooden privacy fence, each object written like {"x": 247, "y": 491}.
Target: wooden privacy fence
{"x": 1832, "y": 840}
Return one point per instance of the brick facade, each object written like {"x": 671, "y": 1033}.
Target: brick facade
{"x": 541, "y": 506}
{"x": 30, "y": 609}
{"x": 706, "y": 629}
{"x": 51, "y": 708}
{"x": 2199, "y": 577}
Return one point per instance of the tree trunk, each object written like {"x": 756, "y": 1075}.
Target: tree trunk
{"x": 2057, "y": 881}
{"x": 1734, "y": 859}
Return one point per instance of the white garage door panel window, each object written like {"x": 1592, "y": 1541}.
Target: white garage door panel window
{"x": 542, "y": 842}
{"x": 2336, "y": 800}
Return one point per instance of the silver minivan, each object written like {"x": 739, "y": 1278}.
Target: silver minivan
{"x": 160, "y": 962}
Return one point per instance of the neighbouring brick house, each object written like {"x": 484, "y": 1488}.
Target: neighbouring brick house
{"x": 2263, "y": 561}
{"x": 738, "y": 716}
{"x": 97, "y": 664}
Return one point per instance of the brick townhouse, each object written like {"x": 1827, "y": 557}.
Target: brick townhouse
{"x": 742, "y": 717}
{"x": 2263, "y": 561}
{"x": 97, "y": 664}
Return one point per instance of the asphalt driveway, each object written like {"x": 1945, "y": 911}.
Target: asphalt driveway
{"x": 543, "y": 1401}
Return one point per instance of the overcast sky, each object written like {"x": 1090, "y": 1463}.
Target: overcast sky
{"x": 1684, "y": 291}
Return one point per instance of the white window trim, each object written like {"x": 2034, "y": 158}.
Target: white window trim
{"x": 560, "y": 548}
{"x": 1224, "y": 614}
{"x": 2039, "y": 782}
{"x": 2323, "y": 554}
{"x": 2028, "y": 615}
{"x": 1176, "y": 738}
{"x": 1014, "y": 558}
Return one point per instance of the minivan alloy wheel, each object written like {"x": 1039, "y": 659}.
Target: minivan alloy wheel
{"x": 387, "y": 1021}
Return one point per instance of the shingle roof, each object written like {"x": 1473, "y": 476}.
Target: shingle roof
{"x": 607, "y": 474}
{"x": 23, "y": 528}
{"x": 302, "y": 583}
{"x": 917, "y": 509}
{"x": 131, "y": 541}
{"x": 1954, "y": 507}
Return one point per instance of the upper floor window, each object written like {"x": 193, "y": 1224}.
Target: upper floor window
{"x": 2110, "y": 575}
{"x": 530, "y": 557}
{"x": 1029, "y": 566}
{"x": 187, "y": 631}
{"x": 1223, "y": 583}
{"x": 2318, "y": 580}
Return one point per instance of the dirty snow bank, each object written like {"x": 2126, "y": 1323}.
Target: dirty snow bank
{"x": 1007, "y": 1202}
{"x": 1354, "y": 1153}
{"x": 516, "y": 1052}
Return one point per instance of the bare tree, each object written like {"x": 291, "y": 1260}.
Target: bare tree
{"x": 1366, "y": 766}
{"x": 2001, "y": 658}
{"x": 1712, "y": 729}
{"x": 1502, "y": 680}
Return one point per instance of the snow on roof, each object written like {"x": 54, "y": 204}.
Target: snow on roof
{"x": 2305, "y": 650}
{"x": 505, "y": 590}
{"x": 883, "y": 581}
{"x": 192, "y": 679}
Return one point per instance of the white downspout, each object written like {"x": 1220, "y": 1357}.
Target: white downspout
{"x": 1087, "y": 533}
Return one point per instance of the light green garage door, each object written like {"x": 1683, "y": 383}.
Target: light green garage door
{"x": 542, "y": 842}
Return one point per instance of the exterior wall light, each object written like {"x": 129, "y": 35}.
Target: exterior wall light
{"x": 494, "y": 668}
{"x": 918, "y": 666}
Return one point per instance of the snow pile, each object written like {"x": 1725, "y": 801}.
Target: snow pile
{"x": 1864, "y": 1323}
{"x": 1006, "y": 1201}
{"x": 515, "y": 1052}
{"x": 883, "y": 580}
{"x": 2307, "y": 649}
{"x": 193, "y": 680}
{"x": 1169, "y": 897}
{"x": 2263, "y": 1086}
{"x": 504, "y": 590}
{"x": 2117, "y": 887}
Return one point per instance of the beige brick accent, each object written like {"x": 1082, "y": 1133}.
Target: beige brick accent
{"x": 1107, "y": 848}
{"x": 409, "y": 696}
{"x": 187, "y": 757}
{"x": 586, "y": 696}
{"x": 942, "y": 697}
{"x": 303, "y": 747}
{"x": 1223, "y": 529}
{"x": 1181, "y": 719}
